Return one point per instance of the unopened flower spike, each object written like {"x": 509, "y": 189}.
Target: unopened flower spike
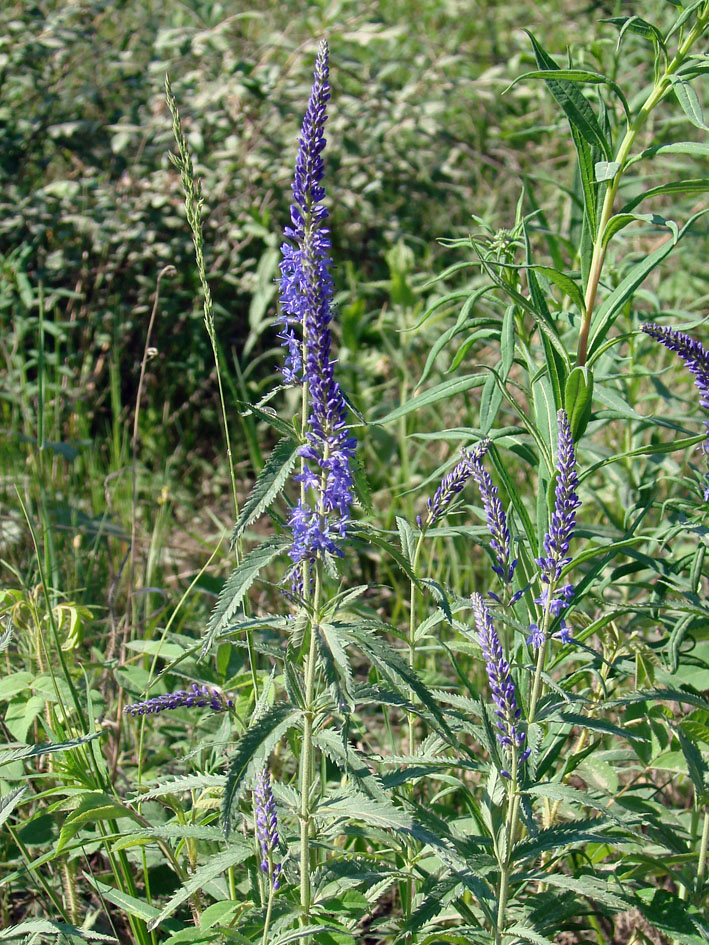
{"x": 200, "y": 696}
{"x": 320, "y": 518}
{"x": 452, "y": 484}
{"x": 498, "y": 673}
{"x": 267, "y": 826}
{"x": 696, "y": 358}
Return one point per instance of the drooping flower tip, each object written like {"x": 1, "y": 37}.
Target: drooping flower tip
{"x": 563, "y": 520}
{"x": 200, "y": 696}
{"x": 452, "y": 484}
{"x": 696, "y": 359}
{"x": 692, "y": 352}
{"x": 498, "y": 672}
{"x": 267, "y": 825}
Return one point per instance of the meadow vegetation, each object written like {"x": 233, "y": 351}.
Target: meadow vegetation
{"x": 352, "y": 580}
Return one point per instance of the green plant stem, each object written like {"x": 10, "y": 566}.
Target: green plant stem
{"x": 661, "y": 88}
{"x": 267, "y": 920}
{"x": 510, "y": 836}
{"x": 306, "y": 757}
{"x": 703, "y": 846}
{"x": 513, "y": 803}
{"x": 412, "y": 639}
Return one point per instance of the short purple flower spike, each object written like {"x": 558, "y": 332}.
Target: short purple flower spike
{"x": 498, "y": 673}
{"x": 201, "y": 696}
{"x": 696, "y": 358}
{"x": 496, "y": 521}
{"x": 558, "y": 538}
{"x": 267, "y": 825}
{"x": 452, "y": 484}
{"x": 319, "y": 520}
{"x": 563, "y": 519}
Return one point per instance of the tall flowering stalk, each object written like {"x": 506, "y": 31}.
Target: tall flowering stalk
{"x": 319, "y": 519}
{"x": 696, "y": 358}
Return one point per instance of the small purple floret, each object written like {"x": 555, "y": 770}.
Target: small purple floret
{"x": 498, "y": 673}
{"x": 696, "y": 358}
{"x": 267, "y": 825}
{"x": 201, "y": 696}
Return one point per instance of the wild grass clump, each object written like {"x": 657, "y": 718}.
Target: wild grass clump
{"x": 476, "y": 717}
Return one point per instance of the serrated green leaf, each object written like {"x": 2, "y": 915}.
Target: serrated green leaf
{"x": 525, "y": 934}
{"x": 587, "y": 830}
{"x": 271, "y": 480}
{"x": 185, "y": 782}
{"x": 251, "y": 748}
{"x": 236, "y": 853}
{"x": 46, "y": 748}
{"x": 94, "y": 807}
{"x": 10, "y": 801}
{"x": 671, "y": 915}
{"x": 48, "y": 927}
{"x": 696, "y": 766}
{"x": 237, "y": 586}
{"x": 336, "y": 667}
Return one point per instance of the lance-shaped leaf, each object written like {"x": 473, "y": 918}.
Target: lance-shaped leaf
{"x": 610, "y": 309}
{"x": 271, "y": 480}
{"x": 251, "y": 750}
{"x": 10, "y": 801}
{"x": 45, "y": 748}
{"x": 237, "y": 586}
{"x": 236, "y": 853}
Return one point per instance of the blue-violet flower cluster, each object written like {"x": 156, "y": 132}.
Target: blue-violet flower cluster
{"x": 556, "y": 541}
{"x": 452, "y": 484}
{"x": 267, "y": 825}
{"x": 496, "y": 521}
{"x": 498, "y": 673}
{"x": 696, "y": 358}
{"x": 321, "y": 515}
{"x": 201, "y": 696}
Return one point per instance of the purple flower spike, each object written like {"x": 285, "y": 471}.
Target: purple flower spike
{"x": 496, "y": 521}
{"x": 452, "y": 484}
{"x": 563, "y": 520}
{"x": 319, "y": 520}
{"x": 201, "y": 696}
{"x": 498, "y": 673}
{"x": 267, "y": 825}
{"x": 696, "y": 358}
